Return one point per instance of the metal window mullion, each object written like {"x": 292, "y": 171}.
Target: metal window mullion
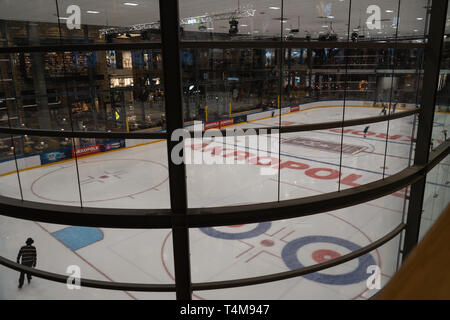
{"x": 69, "y": 106}
{"x": 386, "y": 144}
{"x": 346, "y": 50}
{"x": 419, "y": 68}
{"x": 433, "y": 54}
{"x": 169, "y": 15}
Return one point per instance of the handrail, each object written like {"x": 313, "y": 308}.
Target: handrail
{"x": 57, "y": 47}
{"x": 88, "y": 282}
{"x": 299, "y": 44}
{"x": 318, "y": 126}
{"x": 83, "y": 134}
{"x": 163, "y": 135}
{"x": 206, "y": 285}
{"x": 218, "y": 216}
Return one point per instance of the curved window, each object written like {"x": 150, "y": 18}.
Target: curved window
{"x": 290, "y": 143}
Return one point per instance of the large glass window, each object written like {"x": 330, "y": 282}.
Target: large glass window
{"x": 324, "y": 97}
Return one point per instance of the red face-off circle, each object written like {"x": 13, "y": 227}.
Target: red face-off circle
{"x": 324, "y": 255}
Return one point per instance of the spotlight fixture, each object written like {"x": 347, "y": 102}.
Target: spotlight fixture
{"x": 202, "y": 27}
{"x": 233, "y": 26}
{"x": 354, "y": 36}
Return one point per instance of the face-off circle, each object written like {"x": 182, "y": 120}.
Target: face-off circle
{"x": 100, "y": 180}
{"x": 258, "y": 230}
{"x": 289, "y": 256}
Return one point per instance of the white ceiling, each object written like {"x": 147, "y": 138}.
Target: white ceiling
{"x": 263, "y": 23}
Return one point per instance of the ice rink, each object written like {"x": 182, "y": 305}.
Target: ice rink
{"x": 308, "y": 164}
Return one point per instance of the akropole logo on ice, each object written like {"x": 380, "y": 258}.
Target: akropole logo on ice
{"x": 237, "y": 146}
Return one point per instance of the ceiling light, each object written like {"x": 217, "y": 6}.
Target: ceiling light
{"x": 419, "y": 19}
{"x": 324, "y": 26}
{"x": 63, "y": 18}
{"x": 131, "y": 4}
{"x": 415, "y": 30}
{"x": 256, "y": 31}
{"x": 244, "y": 25}
{"x": 330, "y": 17}
{"x": 389, "y": 11}
{"x": 90, "y": 11}
{"x": 274, "y": 8}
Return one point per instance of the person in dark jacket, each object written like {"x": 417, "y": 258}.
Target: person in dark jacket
{"x": 366, "y": 129}
{"x": 28, "y": 255}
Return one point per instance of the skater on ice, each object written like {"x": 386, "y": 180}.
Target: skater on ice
{"x": 28, "y": 255}
{"x": 366, "y": 129}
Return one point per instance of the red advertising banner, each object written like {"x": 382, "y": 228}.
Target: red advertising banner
{"x": 211, "y": 125}
{"x": 226, "y": 122}
{"x": 295, "y": 108}
{"x": 218, "y": 124}
{"x": 83, "y": 151}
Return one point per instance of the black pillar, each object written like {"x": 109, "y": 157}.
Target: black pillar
{"x": 426, "y": 116}
{"x": 174, "y": 116}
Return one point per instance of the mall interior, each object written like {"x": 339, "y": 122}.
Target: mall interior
{"x": 109, "y": 80}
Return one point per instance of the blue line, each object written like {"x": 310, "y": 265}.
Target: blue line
{"x": 438, "y": 184}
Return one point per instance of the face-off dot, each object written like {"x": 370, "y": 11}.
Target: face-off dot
{"x": 267, "y": 243}
{"x": 324, "y": 255}
{"x": 236, "y": 226}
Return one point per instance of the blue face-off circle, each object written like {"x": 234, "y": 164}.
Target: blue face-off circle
{"x": 289, "y": 256}
{"x": 258, "y": 230}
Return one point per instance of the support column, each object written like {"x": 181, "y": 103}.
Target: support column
{"x": 170, "y": 34}
{"x": 433, "y": 53}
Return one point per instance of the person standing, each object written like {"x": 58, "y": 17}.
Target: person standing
{"x": 366, "y": 129}
{"x": 29, "y": 258}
